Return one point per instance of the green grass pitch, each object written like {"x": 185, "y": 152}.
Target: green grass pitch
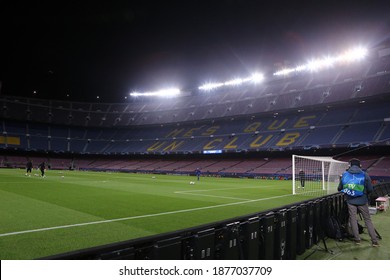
{"x": 72, "y": 210}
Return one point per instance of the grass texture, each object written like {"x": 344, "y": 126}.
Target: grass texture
{"x": 70, "y": 210}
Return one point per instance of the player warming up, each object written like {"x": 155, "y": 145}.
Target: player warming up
{"x": 301, "y": 175}
{"x": 197, "y": 173}
{"x": 42, "y": 168}
{"x": 29, "y": 167}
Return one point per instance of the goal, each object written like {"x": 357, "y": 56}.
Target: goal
{"x": 316, "y": 176}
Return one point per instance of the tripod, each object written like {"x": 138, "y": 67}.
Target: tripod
{"x": 376, "y": 232}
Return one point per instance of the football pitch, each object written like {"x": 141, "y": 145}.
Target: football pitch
{"x": 71, "y": 210}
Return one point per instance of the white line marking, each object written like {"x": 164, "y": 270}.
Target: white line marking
{"x": 224, "y": 189}
{"x": 140, "y": 217}
{"x": 217, "y": 196}
{"x": 191, "y": 192}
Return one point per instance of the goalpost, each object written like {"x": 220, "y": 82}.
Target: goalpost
{"x": 316, "y": 176}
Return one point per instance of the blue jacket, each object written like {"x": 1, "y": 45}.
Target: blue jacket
{"x": 360, "y": 200}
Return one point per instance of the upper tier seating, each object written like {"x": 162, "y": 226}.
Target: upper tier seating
{"x": 365, "y": 79}
{"x": 338, "y": 126}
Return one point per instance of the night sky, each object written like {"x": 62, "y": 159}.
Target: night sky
{"x": 78, "y": 50}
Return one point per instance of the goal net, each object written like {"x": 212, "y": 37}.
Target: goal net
{"x": 316, "y": 176}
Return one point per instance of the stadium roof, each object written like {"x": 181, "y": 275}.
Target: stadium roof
{"x": 90, "y": 49}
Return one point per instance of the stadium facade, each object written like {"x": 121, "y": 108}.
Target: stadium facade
{"x": 245, "y": 131}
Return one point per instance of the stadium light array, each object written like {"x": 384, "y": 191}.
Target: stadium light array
{"x": 313, "y": 65}
{"x": 255, "y": 78}
{"x": 317, "y": 64}
{"x": 160, "y": 93}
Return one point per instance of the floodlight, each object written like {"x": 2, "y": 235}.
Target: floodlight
{"x": 256, "y": 78}
{"x": 211, "y": 86}
{"x": 290, "y": 70}
{"x": 354, "y": 54}
{"x": 328, "y": 61}
{"x": 234, "y": 82}
{"x": 161, "y": 93}
{"x": 316, "y": 64}
{"x": 300, "y": 68}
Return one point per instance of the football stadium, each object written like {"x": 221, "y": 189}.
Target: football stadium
{"x": 120, "y": 179}
{"x": 240, "y": 169}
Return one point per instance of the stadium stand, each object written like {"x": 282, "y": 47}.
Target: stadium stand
{"x": 381, "y": 168}
{"x": 338, "y": 109}
{"x": 339, "y": 126}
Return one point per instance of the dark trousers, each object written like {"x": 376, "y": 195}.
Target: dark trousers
{"x": 353, "y": 210}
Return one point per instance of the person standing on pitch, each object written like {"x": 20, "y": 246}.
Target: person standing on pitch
{"x": 301, "y": 176}
{"x": 29, "y": 167}
{"x": 197, "y": 173}
{"x": 356, "y": 186}
{"x": 42, "y": 167}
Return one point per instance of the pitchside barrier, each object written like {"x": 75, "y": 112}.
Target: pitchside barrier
{"x": 276, "y": 234}
{"x": 380, "y": 190}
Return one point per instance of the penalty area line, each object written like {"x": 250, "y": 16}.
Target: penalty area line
{"x": 139, "y": 217}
